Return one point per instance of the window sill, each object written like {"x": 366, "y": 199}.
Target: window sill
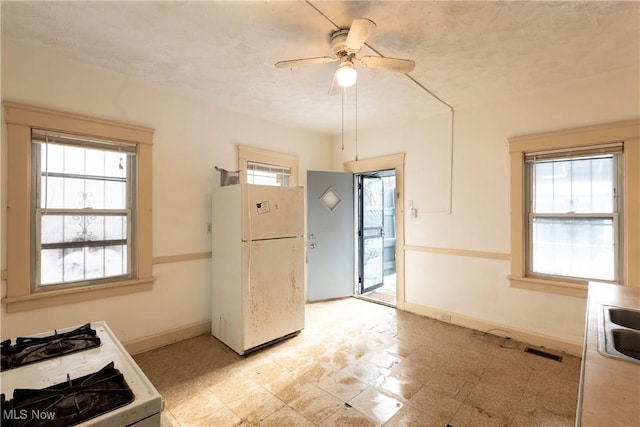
{"x": 74, "y": 295}
{"x": 550, "y": 286}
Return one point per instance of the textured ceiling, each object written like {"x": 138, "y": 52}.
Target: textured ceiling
{"x": 224, "y": 52}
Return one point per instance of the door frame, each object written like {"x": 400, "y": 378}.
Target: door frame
{"x": 396, "y": 162}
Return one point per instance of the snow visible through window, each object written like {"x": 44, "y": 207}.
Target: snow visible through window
{"x": 83, "y": 211}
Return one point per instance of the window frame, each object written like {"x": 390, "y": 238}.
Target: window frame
{"x": 625, "y": 132}
{"x": 20, "y": 120}
{"x": 615, "y": 216}
{"x": 41, "y": 140}
{"x": 248, "y": 154}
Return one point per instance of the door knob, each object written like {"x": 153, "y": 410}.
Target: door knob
{"x": 312, "y": 246}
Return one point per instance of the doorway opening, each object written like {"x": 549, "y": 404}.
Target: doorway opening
{"x": 376, "y": 237}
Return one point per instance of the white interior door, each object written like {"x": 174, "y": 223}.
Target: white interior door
{"x": 330, "y": 237}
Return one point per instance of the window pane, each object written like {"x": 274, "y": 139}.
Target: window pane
{"x": 51, "y": 266}
{"x": 264, "y": 174}
{"x": 75, "y": 228}
{"x": 94, "y": 263}
{"x": 574, "y": 185}
{"x": 52, "y": 157}
{"x": 52, "y": 193}
{"x": 115, "y": 195}
{"x": 73, "y": 261}
{"x": 372, "y": 193}
{"x": 80, "y": 227}
{"x": 115, "y": 164}
{"x": 52, "y": 229}
{"x": 115, "y": 260}
{"x": 373, "y": 261}
{"x": 577, "y": 247}
{"x": 267, "y": 178}
{"x": 602, "y": 176}
{"x": 78, "y": 193}
{"x": 115, "y": 227}
{"x": 94, "y": 162}
{"x": 77, "y": 178}
{"x": 95, "y": 194}
{"x": 80, "y": 264}
{"x": 74, "y": 194}
{"x": 74, "y": 160}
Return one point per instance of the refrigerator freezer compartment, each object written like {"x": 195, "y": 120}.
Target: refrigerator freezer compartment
{"x": 272, "y": 212}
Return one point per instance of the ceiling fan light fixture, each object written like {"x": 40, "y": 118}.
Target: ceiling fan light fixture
{"x": 346, "y": 75}
{"x": 345, "y": 44}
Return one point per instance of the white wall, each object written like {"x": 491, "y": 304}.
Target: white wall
{"x": 477, "y": 287}
{"x": 190, "y": 138}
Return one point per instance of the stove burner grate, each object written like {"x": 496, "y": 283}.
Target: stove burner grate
{"x": 5, "y": 355}
{"x": 34, "y": 349}
{"x": 68, "y": 403}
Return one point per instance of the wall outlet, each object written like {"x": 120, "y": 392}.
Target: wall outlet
{"x": 209, "y": 228}
{"x": 445, "y": 317}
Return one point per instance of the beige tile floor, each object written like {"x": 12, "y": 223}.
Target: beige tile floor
{"x": 363, "y": 364}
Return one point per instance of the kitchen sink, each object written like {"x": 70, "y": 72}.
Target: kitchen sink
{"x": 627, "y": 342}
{"x": 619, "y": 333}
{"x": 625, "y": 317}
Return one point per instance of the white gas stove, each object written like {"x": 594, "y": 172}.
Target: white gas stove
{"x": 143, "y": 410}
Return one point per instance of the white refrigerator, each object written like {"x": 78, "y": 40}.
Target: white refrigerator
{"x": 257, "y": 264}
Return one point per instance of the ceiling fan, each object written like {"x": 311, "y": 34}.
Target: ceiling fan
{"x": 345, "y": 43}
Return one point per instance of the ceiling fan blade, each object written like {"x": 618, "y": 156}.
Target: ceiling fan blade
{"x": 360, "y": 30}
{"x": 335, "y": 88}
{"x": 391, "y": 64}
{"x": 305, "y": 61}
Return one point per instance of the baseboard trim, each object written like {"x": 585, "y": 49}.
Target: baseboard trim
{"x": 573, "y": 348}
{"x": 140, "y": 345}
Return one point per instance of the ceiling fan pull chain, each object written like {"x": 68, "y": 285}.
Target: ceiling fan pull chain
{"x": 356, "y": 99}
{"x": 344, "y": 94}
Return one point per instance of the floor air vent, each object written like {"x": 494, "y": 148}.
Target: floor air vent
{"x": 543, "y": 354}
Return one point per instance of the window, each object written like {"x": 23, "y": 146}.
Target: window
{"x": 84, "y": 197}
{"x": 264, "y": 167}
{"x": 573, "y": 213}
{"x": 575, "y": 208}
{"x": 263, "y": 174}
{"x": 79, "y": 208}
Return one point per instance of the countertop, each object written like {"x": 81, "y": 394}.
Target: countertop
{"x": 609, "y": 387}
